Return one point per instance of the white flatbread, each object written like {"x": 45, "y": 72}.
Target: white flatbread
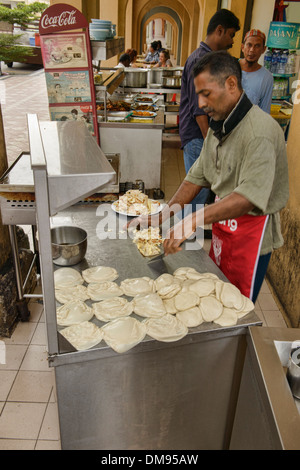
{"x": 228, "y": 318}
{"x": 135, "y": 286}
{"x": 149, "y": 305}
{"x": 186, "y": 300}
{"x": 231, "y": 296}
{"x": 167, "y": 292}
{"x": 167, "y": 328}
{"x": 104, "y": 290}
{"x": 99, "y": 274}
{"x": 163, "y": 280}
{"x": 203, "y": 287}
{"x": 67, "y": 277}
{"x": 83, "y": 336}
{"x": 110, "y": 309}
{"x": 73, "y": 312}
{"x": 211, "y": 308}
{"x": 247, "y": 307}
{"x": 71, "y": 293}
{"x": 123, "y": 334}
{"x": 191, "y": 317}
{"x": 170, "y": 305}
{"x": 184, "y": 273}
{"x": 218, "y": 289}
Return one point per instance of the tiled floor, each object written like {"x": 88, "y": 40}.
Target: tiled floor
{"x": 28, "y": 407}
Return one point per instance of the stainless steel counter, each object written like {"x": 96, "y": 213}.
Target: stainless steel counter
{"x": 179, "y": 395}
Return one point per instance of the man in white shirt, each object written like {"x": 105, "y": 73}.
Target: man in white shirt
{"x": 257, "y": 81}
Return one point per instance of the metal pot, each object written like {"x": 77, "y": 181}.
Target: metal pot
{"x": 135, "y": 78}
{"x": 171, "y": 82}
{"x": 69, "y": 245}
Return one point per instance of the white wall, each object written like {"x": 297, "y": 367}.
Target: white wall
{"x": 262, "y": 15}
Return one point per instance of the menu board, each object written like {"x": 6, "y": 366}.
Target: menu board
{"x": 67, "y": 59}
{"x": 64, "y": 51}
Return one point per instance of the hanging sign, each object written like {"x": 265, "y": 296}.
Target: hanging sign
{"x": 67, "y": 60}
{"x": 284, "y": 35}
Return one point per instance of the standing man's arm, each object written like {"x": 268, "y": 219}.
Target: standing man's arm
{"x": 202, "y": 122}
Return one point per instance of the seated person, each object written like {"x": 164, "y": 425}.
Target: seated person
{"x": 159, "y": 47}
{"x": 124, "y": 61}
{"x": 153, "y": 54}
{"x": 133, "y": 55}
{"x": 164, "y": 59}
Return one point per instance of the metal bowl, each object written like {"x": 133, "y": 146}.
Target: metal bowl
{"x": 69, "y": 245}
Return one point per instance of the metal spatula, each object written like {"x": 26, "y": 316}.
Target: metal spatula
{"x": 157, "y": 264}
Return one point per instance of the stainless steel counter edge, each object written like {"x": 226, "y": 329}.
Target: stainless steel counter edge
{"x": 281, "y": 400}
{"x": 205, "y": 332}
{"x": 158, "y": 123}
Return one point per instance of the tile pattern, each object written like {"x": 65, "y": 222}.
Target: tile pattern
{"x": 28, "y": 406}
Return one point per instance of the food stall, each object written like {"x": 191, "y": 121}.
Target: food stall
{"x": 152, "y": 394}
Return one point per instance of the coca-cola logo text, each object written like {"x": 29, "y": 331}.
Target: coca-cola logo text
{"x": 64, "y": 19}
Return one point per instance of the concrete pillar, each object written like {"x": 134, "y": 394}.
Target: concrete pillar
{"x": 4, "y": 236}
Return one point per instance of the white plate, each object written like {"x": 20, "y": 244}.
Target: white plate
{"x": 143, "y": 116}
{"x": 131, "y": 215}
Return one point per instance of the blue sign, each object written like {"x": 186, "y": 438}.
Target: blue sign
{"x": 284, "y": 35}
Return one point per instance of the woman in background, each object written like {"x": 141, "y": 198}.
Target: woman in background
{"x": 133, "y": 55}
{"x": 164, "y": 59}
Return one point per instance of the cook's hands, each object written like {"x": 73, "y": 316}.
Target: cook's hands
{"x": 143, "y": 222}
{"x": 178, "y": 234}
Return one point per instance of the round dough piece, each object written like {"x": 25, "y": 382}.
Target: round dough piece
{"x": 83, "y": 336}
{"x": 135, "y": 286}
{"x": 149, "y": 305}
{"x": 73, "y": 312}
{"x": 228, "y": 317}
{"x": 164, "y": 280}
{"x": 203, "y": 287}
{"x": 104, "y": 290}
{"x": 113, "y": 308}
{"x": 191, "y": 317}
{"x": 71, "y": 293}
{"x": 167, "y": 328}
{"x": 183, "y": 273}
{"x": 211, "y": 308}
{"x": 186, "y": 300}
{"x": 231, "y": 296}
{"x": 170, "y": 291}
{"x": 218, "y": 289}
{"x": 67, "y": 277}
{"x": 123, "y": 334}
{"x": 170, "y": 305}
{"x": 248, "y": 306}
{"x": 99, "y": 274}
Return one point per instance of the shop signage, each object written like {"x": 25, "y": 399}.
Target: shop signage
{"x": 61, "y": 17}
{"x": 284, "y": 35}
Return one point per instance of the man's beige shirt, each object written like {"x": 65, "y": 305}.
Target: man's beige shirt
{"x": 251, "y": 161}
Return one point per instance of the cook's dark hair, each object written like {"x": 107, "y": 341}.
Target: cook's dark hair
{"x": 124, "y": 57}
{"x": 225, "y": 18}
{"x": 154, "y": 44}
{"x": 220, "y": 65}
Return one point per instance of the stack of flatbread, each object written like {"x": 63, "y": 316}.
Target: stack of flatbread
{"x": 164, "y": 308}
{"x": 148, "y": 241}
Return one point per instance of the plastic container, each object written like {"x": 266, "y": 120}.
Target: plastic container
{"x": 282, "y": 62}
{"x": 268, "y": 59}
{"x": 32, "y": 41}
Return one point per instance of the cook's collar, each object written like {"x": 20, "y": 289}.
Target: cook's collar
{"x": 223, "y": 128}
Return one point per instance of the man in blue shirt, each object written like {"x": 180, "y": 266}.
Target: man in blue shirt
{"x": 257, "y": 81}
{"x": 193, "y": 122}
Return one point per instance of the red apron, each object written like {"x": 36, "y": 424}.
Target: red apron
{"x": 235, "y": 249}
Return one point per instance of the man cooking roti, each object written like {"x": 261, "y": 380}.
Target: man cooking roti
{"x": 244, "y": 162}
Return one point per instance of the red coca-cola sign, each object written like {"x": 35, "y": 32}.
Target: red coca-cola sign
{"x": 61, "y": 17}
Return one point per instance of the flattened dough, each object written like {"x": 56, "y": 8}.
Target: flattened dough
{"x": 167, "y": 328}
{"x": 191, "y": 317}
{"x": 99, "y": 274}
{"x": 184, "y": 273}
{"x": 163, "y": 280}
{"x": 170, "y": 305}
{"x": 167, "y": 292}
{"x": 149, "y": 305}
{"x": 67, "y": 277}
{"x": 135, "y": 286}
{"x": 123, "y": 334}
{"x": 247, "y": 307}
{"x": 211, "y": 308}
{"x": 73, "y": 312}
{"x": 113, "y": 308}
{"x": 83, "y": 336}
{"x": 228, "y": 318}
{"x": 231, "y": 296}
{"x": 71, "y": 293}
{"x": 203, "y": 287}
{"x": 186, "y": 300}
{"x": 104, "y": 290}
